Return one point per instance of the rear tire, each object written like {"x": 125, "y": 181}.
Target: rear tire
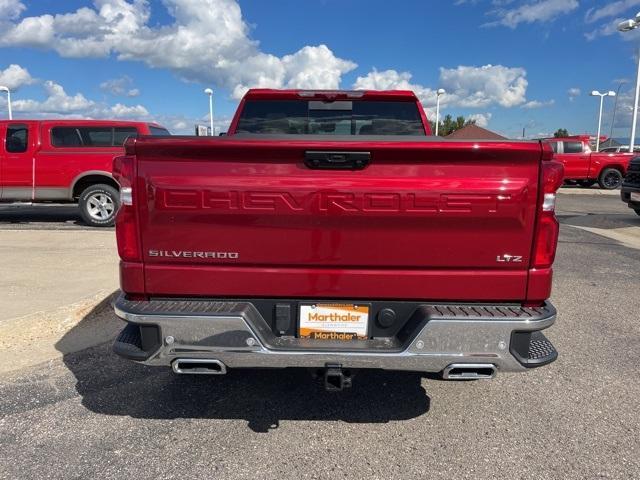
{"x": 637, "y": 210}
{"x": 98, "y": 205}
{"x": 610, "y": 179}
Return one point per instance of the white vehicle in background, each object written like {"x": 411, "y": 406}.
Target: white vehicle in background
{"x": 619, "y": 149}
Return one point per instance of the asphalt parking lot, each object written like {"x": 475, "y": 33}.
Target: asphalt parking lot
{"x": 74, "y": 412}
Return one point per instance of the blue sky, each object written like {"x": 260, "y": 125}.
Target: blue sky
{"x": 507, "y": 63}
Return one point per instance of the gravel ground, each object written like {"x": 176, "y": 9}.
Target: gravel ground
{"x": 91, "y": 414}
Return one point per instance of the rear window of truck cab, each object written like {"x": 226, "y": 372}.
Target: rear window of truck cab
{"x": 314, "y": 117}
{"x": 158, "y": 131}
{"x": 98, "y": 136}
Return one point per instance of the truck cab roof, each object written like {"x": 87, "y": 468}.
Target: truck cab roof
{"x": 81, "y": 122}
{"x": 267, "y": 93}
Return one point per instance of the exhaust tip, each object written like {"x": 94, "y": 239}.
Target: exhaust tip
{"x": 469, "y": 371}
{"x": 198, "y": 366}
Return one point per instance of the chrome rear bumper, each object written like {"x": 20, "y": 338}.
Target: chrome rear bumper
{"x": 235, "y": 334}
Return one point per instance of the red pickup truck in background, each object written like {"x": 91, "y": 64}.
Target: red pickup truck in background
{"x": 66, "y": 161}
{"x": 330, "y": 230}
{"x": 585, "y": 167}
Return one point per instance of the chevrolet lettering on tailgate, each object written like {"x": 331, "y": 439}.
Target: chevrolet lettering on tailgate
{"x": 320, "y": 201}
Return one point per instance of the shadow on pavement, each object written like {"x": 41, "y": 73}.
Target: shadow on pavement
{"x": 40, "y": 213}
{"x": 603, "y": 221}
{"x": 112, "y": 386}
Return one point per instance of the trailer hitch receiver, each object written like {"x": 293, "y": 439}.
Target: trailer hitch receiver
{"x": 336, "y": 379}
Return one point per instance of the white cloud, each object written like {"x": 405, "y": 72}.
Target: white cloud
{"x": 538, "y": 135}
{"x": 58, "y": 102}
{"x": 314, "y": 68}
{"x": 394, "y": 80}
{"x": 624, "y": 111}
{"x": 540, "y": 11}
{"x": 573, "y": 93}
{"x": 14, "y": 76}
{"x": 123, "y": 111}
{"x": 478, "y": 87}
{"x": 183, "y": 125}
{"x": 208, "y": 41}
{"x": 611, "y": 13}
{"x": 11, "y": 9}
{"x": 481, "y": 119}
{"x": 613, "y": 9}
{"x": 610, "y": 28}
{"x": 121, "y": 87}
{"x": 466, "y": 86}
{"x": 180, "y": 125}
{"x": 538, "y": 104}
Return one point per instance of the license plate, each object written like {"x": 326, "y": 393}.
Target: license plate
{"x": 333, "y": 321}
{"x": 635, "y": 196}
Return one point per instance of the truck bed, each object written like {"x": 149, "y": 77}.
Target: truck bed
{"x": 426, "y": 219}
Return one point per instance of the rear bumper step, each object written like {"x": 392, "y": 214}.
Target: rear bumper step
{"x": 233, "y": 334}
{"x": 532, "y": 349}
{"x": 129, "y": 343}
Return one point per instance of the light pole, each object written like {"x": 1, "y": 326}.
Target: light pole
{"x": 627, "y": 26}
{"x": 440, "y": 91}
{"x": 596, "y": 93}
{"x": 6, "y": 89}
{"x": 209, "y": 92}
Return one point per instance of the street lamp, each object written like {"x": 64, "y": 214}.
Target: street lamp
{"x": 6, "y": 89}
{"x": 596, "y": 93}
{"x": 440, "y": 91}
{"x": 209, "y": 92}
{"x": 627, "y": 26}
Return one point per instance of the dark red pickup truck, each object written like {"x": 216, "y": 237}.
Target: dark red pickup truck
{"x": 330, "y": 230}
{"x": 585, "y": 167}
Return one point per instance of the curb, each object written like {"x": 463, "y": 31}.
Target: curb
{"x": 588, "y": 191}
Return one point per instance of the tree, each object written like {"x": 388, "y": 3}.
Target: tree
{"x": 448, "y": 125}
{"x": 561, "y": 133}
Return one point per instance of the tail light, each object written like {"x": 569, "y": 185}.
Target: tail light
{"x": 547, "y": 228}
{"x": 126, "y": 219}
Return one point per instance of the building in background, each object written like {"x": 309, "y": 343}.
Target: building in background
{"x": 474, "y": 132}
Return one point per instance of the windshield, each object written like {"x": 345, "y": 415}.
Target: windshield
{"x": 314, "y": 117}
{"x": 158, "y": 131}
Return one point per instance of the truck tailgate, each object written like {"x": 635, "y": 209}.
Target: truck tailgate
{"x": 424, "y": 220}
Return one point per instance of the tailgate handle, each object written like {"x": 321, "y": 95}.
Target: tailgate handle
{"x": 336, "y": 160}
